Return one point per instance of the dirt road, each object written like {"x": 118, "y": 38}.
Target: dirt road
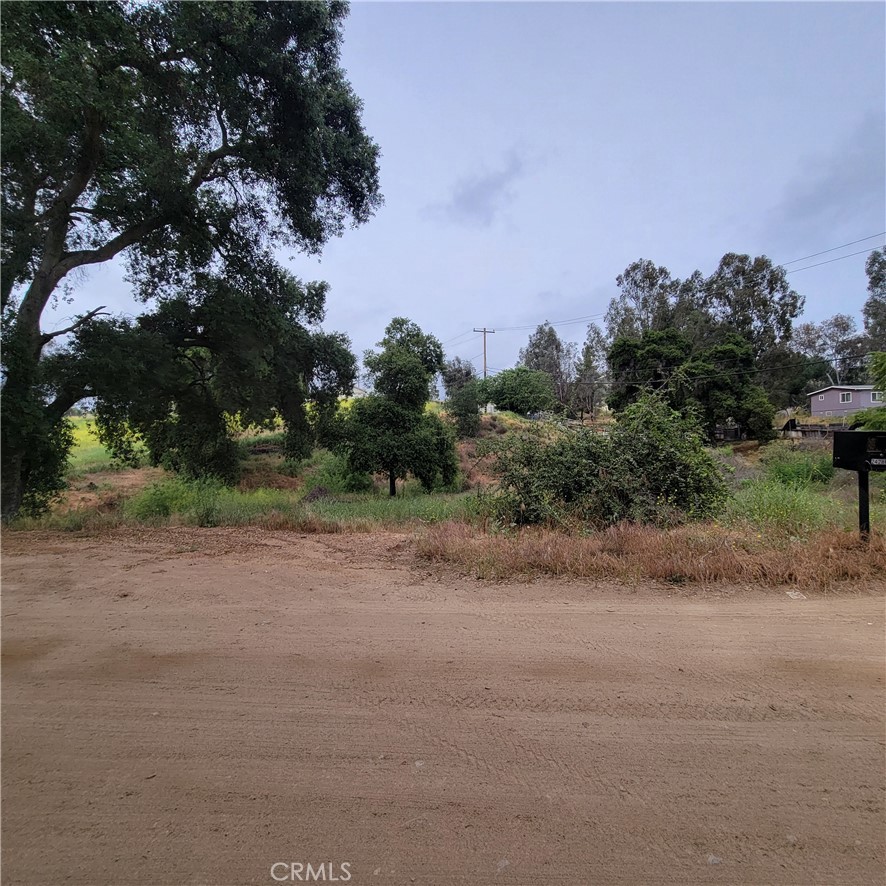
{"x": 213, "y": 706}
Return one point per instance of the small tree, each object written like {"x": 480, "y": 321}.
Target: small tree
{"x": 389, "y": 430}
{"x": 464, "y": 407}
{"x": 546, "y": 352}
{"x": 456, "y": 374}
{"x": 520, "y": 390}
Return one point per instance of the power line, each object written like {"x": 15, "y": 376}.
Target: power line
{"x": 460, "y": 335}
{"x": 793, "y": 261}
{"x": 818, "y": 264}
{"x": 600, "y": 316}
{"x": 557, "y": 323}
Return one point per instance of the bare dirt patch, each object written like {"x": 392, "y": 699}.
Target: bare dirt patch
{"x": 105, "y": 490}
{"x": 192, "y": 706}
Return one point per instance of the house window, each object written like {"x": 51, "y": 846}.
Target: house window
{"x": 876, "y": 396}
{"x": 829, "y": 412}
{"x": 821, "y": 396}
{"x": 845, "y": 396}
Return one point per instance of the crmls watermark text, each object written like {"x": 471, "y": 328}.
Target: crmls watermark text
{"x": 299, "y": 872}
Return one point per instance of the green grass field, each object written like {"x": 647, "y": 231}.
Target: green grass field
{"x": 88, "y": 454}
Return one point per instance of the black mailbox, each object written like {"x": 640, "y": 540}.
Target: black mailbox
{"x": 860, "y": 450}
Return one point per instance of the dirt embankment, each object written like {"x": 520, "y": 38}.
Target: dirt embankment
{"x": 196, "y": 706}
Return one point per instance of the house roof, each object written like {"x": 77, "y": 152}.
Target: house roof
{"x": 842, "y": 388}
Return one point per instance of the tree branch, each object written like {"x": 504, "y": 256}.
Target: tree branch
{"x": 49, "y": 336}
{"x": 116, "y": 244}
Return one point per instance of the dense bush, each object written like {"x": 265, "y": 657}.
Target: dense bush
{"x": 330, "y": 471}
{"x": 651, "y": 468}
{"x": 519, "y": 390}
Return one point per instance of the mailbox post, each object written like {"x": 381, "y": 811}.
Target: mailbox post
{"x": 862, "y": 452}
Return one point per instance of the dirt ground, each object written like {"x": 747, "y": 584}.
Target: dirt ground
{"x": 213, "y": 706}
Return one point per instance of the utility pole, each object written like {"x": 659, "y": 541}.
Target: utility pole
{"x": 485, "y": 331}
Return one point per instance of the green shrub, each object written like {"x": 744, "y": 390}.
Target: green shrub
{"x": 331, "y": 472}
{"x": 651, "y": 468}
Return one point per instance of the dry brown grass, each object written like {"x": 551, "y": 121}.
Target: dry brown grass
{"x": 688, "y": 554}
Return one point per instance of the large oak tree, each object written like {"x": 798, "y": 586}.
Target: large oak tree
{"x": 194, "y": 139}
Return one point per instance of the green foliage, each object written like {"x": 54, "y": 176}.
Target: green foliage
{"x": 878, "y": 369}
{"x": 384, "y": 510}
{"x": 46, "y": 465}
{"x": 875, "y": 419}
{"x": 874, "y": 310}
{"x": 795, "y": 467}
{"x": 464, "y": 406}
{"x": 752, "y": 297}
{"x": 233, "y": 352}
{"x": 197, "y": 140}
{"x": 330, "y": 472}
{"x": 715, "y": 383}
{"x": 456, "y": 374}
{"x": 755, "y": 414}
{"x": 404, "y": 369}
{"x": 520, "y": 390}
{"x": 649, "y": 362}
{"x": 663, "y": 451}
{"x": 208, "y": 503}
{"x": 390, "y": 431}
{"x": 651, "y": 468}
{"x": 383, "y": 437}
{"x": 591, "y": 385}
{"x": 546, "y": 352}
{"x": 781, "y": 509}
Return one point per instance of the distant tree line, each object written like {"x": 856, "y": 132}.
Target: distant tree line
{"x": 724, "y": 346}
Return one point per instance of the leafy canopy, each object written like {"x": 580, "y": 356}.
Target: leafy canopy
{"x": 193, "y": 139}
{"x": 716, "y": 384}
{"x": 520, "y": 390}
{"x": 389, "y": 430}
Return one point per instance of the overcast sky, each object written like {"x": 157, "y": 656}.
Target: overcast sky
{"x": 531, "y": 151}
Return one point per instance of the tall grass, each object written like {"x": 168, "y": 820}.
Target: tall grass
{"x": 208, "y": 503}
{"x": 798, "y": 467}
{"x": 781, "y": 509}
{"x": 629, "y": 552}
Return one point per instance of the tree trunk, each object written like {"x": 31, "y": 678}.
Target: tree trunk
{"x": 26, "y": 420}
{"x": 12, "y": 484}
{"x": 392, "y": 480}
{"x": 17, "y": 408}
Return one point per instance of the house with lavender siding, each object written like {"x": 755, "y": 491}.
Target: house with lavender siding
{"x": 840, "y": 400}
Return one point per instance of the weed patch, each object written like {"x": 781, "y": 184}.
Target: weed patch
{"x": 703, "y": 553}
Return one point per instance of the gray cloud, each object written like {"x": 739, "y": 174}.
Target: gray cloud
{"x": 478, "y": 199}
{"x": 842, "y": 189}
